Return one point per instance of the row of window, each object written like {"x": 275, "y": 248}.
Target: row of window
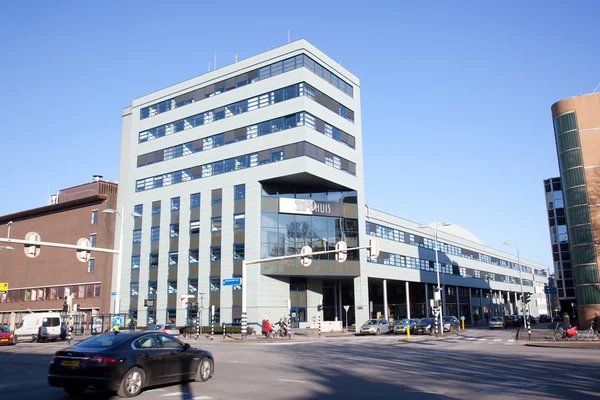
{"x": 245, "y": 79}
{"x": 214, "y": 286}
{"x": 193, "y": 256}
{"x": 264, "y": 128}
{"x": 399, "y": 236}
{"x": 253, "y": 103}
{"x": 281, "y": 153}
{"x": 450, "y": 269}
{"x": 85, "y": 291}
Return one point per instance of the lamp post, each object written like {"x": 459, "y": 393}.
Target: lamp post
{"x": 435, "y": 244}
{"x": 520, "y": 279}
{"x": 117, "y": 302}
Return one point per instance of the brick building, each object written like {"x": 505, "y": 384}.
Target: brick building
{"x": 41, "y": 283}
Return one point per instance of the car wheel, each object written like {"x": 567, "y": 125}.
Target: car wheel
{"x": 74, "y": 391}
{"x": 132, "y": 383}
{"x": 15, "y": 339}
{"x": 377, "y": 332}
{"x": 205, "y": 370}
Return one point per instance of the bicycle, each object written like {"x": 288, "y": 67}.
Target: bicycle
{"x": 591, "y": 333}
{"x": 559, "y": 333}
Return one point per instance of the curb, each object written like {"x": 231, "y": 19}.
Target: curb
{"x": 565, "y": 345}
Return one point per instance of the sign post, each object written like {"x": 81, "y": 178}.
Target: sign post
{"x": 3, "y": 288}
{"x": 346, "y": 308}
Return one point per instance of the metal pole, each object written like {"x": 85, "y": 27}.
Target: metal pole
{"x": 201, "y": 309}
{"x": 438, "y": 274}
{"x": 385, "y": 301}
{"x": 408, "y": 300}
{"x": 289, "y": 314}
{"x": 244, "y": 294}
{"x": 119, "y": 263}
{"x": 212, "y": 322}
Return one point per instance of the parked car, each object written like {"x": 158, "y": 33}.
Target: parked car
{"x": 510, "y": 321}
{"x": 7, "y": 336}
{"x": 496, "y": 323}
{"x": 127, "y": 362}
{"x": 451, "y": 324}
{"x": 375, "y": 327}
{"x": 423, "y": 327}
{"x": 401, "y": 325}
{"x": 169, "y": 329}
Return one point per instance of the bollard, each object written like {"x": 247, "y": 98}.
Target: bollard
{"x": 223, "y": 330}
{"x": 408, "y": 332}
{"x": 463, "y": 324}
{"x": 319, "y": 325}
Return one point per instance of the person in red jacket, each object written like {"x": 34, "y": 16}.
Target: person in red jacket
{"x": 267, "y": 328}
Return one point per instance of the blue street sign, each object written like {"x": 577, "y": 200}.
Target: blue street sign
{"x": 546, "y": 289}
{"x": 118, "y": 321}
{"x": 114, "y": 293}
{"x": 553, "y": 290}
{"x": 232, "y": 282}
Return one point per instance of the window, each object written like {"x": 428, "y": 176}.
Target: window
{"x": 93, "y": 240}
{"x": 139, "y": 209}
{"x": 171, "y": 315}
{"x": 156, "y": 209}
{"x": 155, "y": 233}
{"x": 173, "y": 259}
{"x": 216, "y": 196}
{"x": 194, "y": 228}
{"x": 135, "y": 262}
{"x": 137, "y": 236}
{"x": 94, "y": 217}
{"x": 195, "y": 200}
{"x": 215, "y": 224}
{"x": 134, "y": 289}
{"x": 238, "y": 251}
{"x": 91, "y": 264}
{"x": 215, "y": 284}
{"x": 97, "y": 290}
{"x": 192, "y": 286}
{"x": 174, "y": 230}
{"x": 239, "y": 221}
{"x": 239, "y": 192}
{"x": 193, "y": 258}
{"x": 81, "y": 292}
{"x": 175, "y": 204}
{"x": 215, "y": 253}
{"x": 152, "y": 288}
{"x": 153, "y": 260}
{"x": 172, "y": 287}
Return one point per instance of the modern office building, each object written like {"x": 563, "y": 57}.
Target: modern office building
{"x": 42, "y": 283}
{"x": 258, "y": 159}
{"x": 577, "y": 134}
{"x": 559, "y": 238}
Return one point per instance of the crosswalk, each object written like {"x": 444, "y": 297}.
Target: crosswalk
{"x": 481, "y": 340}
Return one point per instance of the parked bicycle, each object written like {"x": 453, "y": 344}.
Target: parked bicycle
{"x": 591, "y": 333}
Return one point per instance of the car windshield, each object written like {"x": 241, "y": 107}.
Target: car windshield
{"x": 495, "y": 319}
{"x": 155, "y": 328}
{"x": 103, "y": 341}
{"x": 371, "y": 322}
{"x": 4, "y": 329}
{"x": 448, "y": 319}
{"x": 54, "y": 321}
{"x": 426, "y": 321}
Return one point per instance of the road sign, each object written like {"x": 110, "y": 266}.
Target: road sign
{"x": 113, "y": 294}
{"x": 118, "y": 321}
{"x": 553, "y": 290}
{"x": 83, "y": 255}
{"x": 31, "y": 250}
{"x": 232, "y": 282}
{"x": 546, "y": 289}
{"x": 3, "y": 287}
{"x": 346, "y": 308}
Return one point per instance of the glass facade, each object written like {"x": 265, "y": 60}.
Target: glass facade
{"x": 584, "y": 268}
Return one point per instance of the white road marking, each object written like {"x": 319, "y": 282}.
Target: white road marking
{"x": 155, "y": 390}
{"x": 511, "y": 340}
{"x": 202, "y": 398}
{"x": 422, "y": 391}
{"x": 470, "y": 338}
{"x": 291, "y": 380}
{"x": 497, "y": 340}
{"x": 483, "y": 339}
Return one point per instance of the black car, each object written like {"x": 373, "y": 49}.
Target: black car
{"x": 127, "y": 362}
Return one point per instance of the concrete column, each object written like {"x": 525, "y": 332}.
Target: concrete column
{"x": 481, "y": 314}
{"x": 426, "y": 301}
{"x": 457, "y": 304}
{"x": 335, "y": 303}
{"x": 385, "y": 303}
{"x": 408, "y": 299}
{"x": 501, "y": 303}
{"x": 470, "y": 307}
{"x": 516, "y": 305}
{"x": 361, "y": 300}
{"x": 340, "y": 303}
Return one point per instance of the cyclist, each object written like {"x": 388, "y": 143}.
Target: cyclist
{"x": 596, "y": 322}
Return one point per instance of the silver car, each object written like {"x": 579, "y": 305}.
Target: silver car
{"x": 375, "y": 327}
{"x": 169, "y": 329}
{"x": 401, "y": 325}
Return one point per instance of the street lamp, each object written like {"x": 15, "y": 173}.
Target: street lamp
{"x": 435, "y": 243}
{"x": 520, "y": 279}
{"x": 120, "y": 255}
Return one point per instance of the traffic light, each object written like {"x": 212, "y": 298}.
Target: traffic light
{"x": 65, "y": 307}
{"x": 373, "y": 250}
{"x": 320, "y": 307}
{"x": 195, "y": 306}
{"x": 527, "y": 298}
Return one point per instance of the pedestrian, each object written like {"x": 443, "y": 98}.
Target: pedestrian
{"x": 267, "y": 328}
{"x": 82, "y": 329}
{"x": 596, "y": 322}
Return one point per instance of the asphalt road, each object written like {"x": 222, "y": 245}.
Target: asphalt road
{"x": 477, "y": 364}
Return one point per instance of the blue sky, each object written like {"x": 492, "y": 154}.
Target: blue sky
{"x": 456, "y": 96}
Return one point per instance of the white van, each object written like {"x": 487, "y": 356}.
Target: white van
{"x": 30, "y": 325}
